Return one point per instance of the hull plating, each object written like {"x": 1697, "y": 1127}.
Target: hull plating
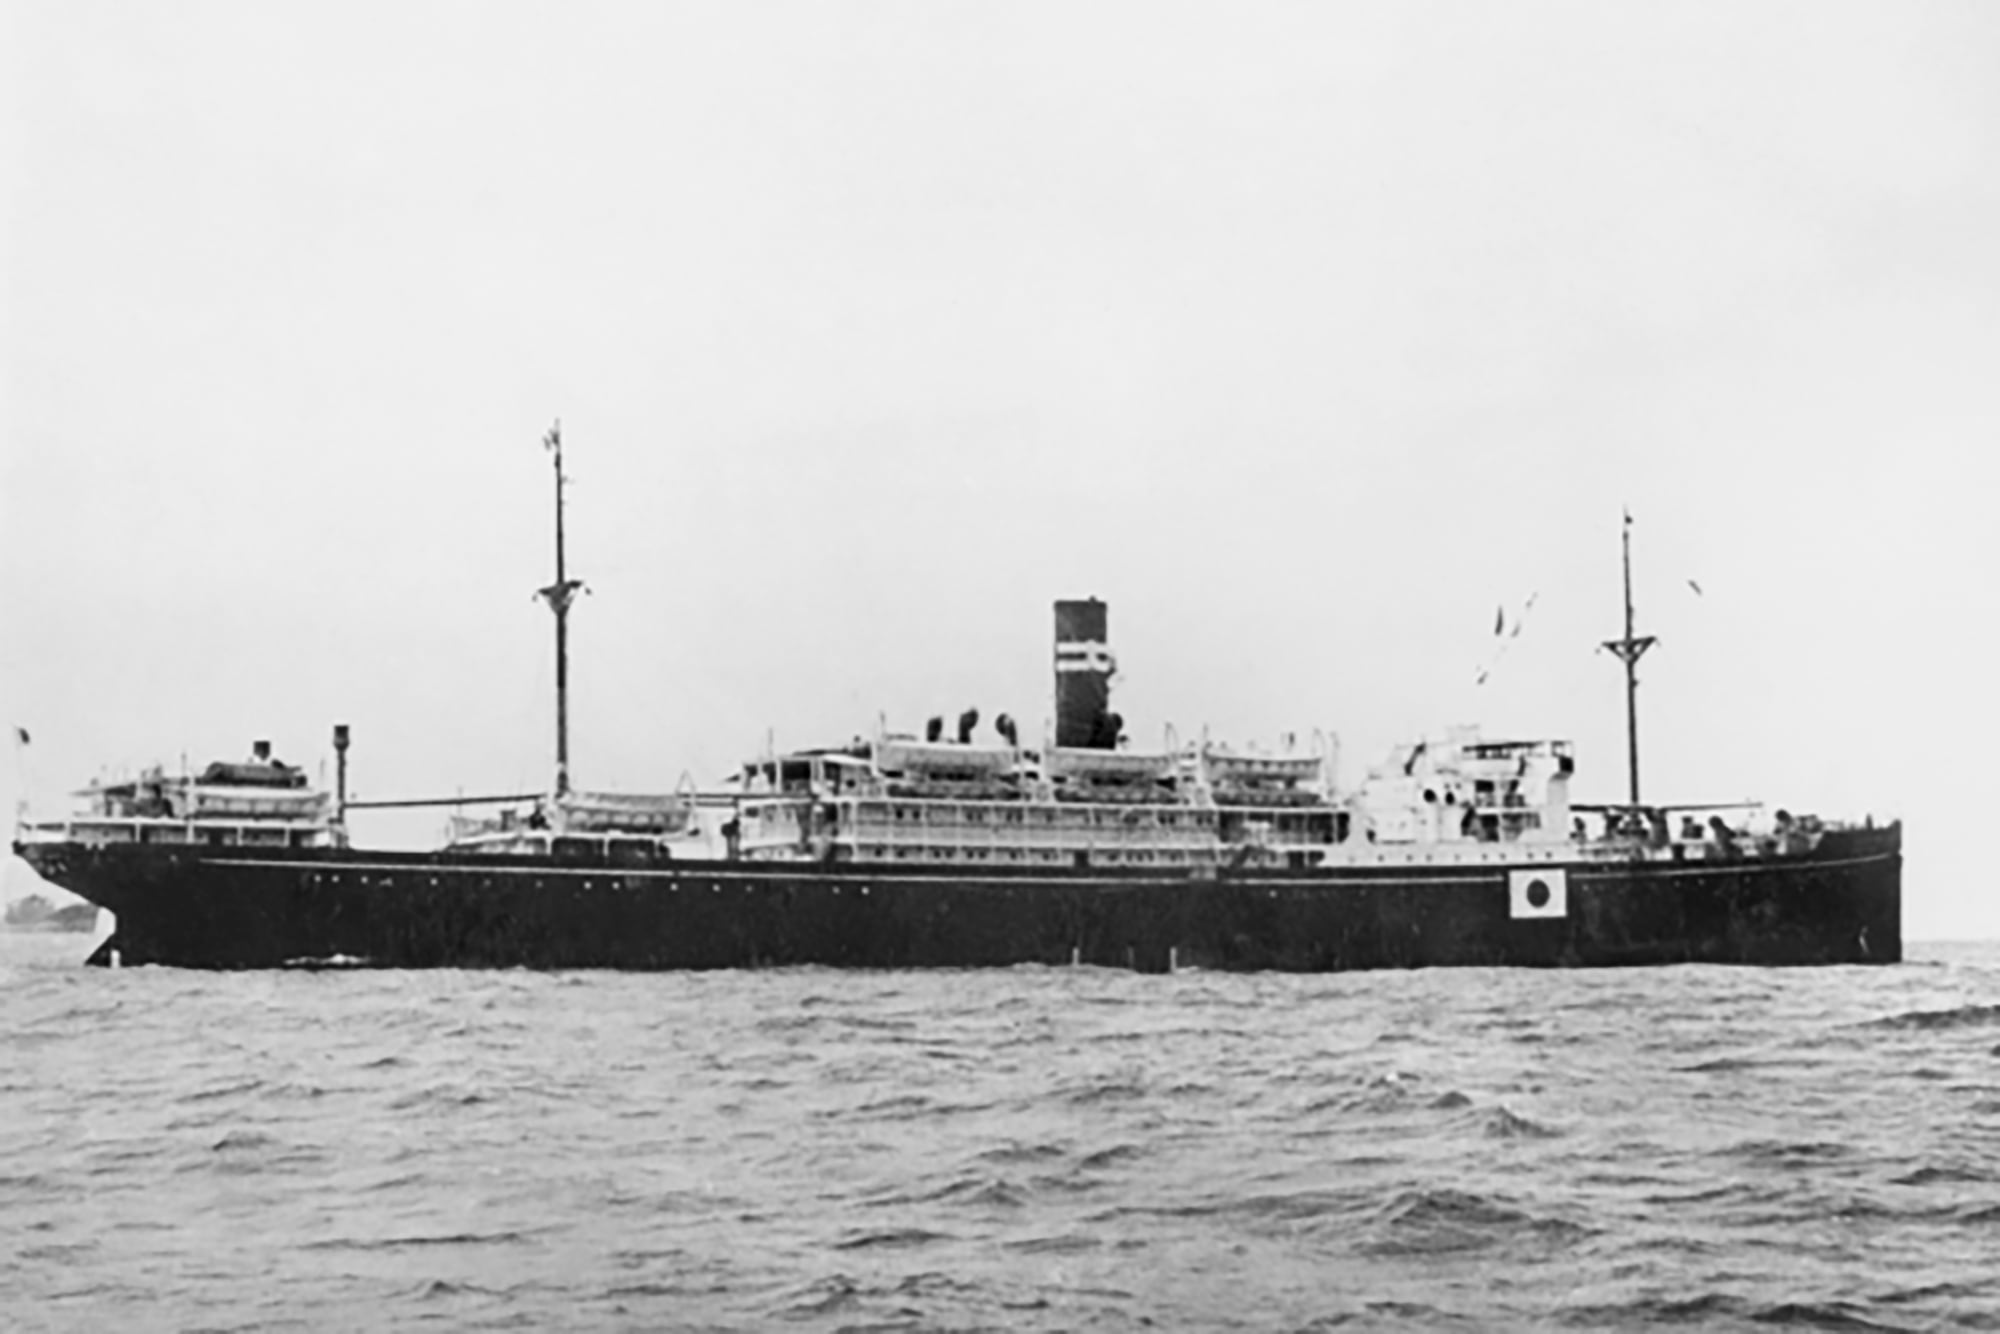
{"x": 228, "y": 909}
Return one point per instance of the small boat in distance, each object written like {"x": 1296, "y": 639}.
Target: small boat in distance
{"x": 973, "y": 850}
{"x": 33, "y": 912}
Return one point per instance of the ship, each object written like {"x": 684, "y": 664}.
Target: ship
{"x": 957, "y": 847}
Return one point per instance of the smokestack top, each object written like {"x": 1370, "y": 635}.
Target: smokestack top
{"x": 1080, "y": 620}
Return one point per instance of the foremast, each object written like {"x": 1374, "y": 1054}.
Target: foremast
{"x": 1628, "y": 651}
{"x": 559, "y": 595}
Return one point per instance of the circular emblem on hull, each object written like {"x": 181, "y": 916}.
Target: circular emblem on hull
{"x": 1538, "y": 891}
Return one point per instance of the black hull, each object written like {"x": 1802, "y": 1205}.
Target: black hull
{"x": 231, "y": 908}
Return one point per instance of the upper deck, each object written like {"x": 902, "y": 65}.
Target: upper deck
{"x": 1459, "y": 800}
{"x": 259, "y": 803}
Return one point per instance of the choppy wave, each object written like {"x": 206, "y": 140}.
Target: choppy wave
{"x": 1957, "y": 1016}
{"x": 1038, "y": 1148}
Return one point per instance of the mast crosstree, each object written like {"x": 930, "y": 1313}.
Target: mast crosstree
{"x": 1628, "y": 651}
{"x": 559, "y": 595}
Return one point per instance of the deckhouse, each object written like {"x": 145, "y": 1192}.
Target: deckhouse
{"x": 260, "y": 802}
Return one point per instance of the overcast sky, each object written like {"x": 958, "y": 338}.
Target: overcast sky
{"x": 1305, "y": 335}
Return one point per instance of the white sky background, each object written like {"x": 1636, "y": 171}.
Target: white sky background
{"x": 1303, "y": 335}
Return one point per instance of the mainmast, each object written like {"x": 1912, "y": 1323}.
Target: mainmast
{"x": 559, "y": 595}
{"x": 1628, "y": 651}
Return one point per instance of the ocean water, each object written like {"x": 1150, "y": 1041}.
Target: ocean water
{"x": 1026, "y": 1149}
